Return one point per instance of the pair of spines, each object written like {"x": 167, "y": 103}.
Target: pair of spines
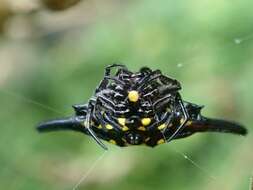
{"x": 203, "y": 125}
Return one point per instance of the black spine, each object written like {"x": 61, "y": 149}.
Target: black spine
{"x": 218, "y": 125}
{"x": 61, "y": 124}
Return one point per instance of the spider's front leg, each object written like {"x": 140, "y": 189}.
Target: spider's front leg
{"x": 152, "y": 75}
{"x": 107, "y": 76}
{"x": 169, "y": 84}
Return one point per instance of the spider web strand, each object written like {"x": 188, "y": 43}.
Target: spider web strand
{"x": 30, "y": 101}
{"x": 90, "y": 170}
{"x": 211, "y": 177}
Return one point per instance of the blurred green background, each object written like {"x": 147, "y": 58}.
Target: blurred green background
{"x": 56, "y": 59}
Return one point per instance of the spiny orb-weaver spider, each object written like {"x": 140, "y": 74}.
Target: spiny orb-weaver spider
{"x": 144, "y": 107}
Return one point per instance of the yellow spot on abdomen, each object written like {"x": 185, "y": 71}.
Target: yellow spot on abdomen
{"x": 122, "y": 121}
{"x": 100, "y": 126}
{"x": 147, "y": 139}
{"x": 133, "y": 96}
{"x": 146, "y": 121}
{"x": 125, "y": 128}
{"x": 182, "y": 120}
{"x": 161, "y": 127}
{"x": 109, "y": 127}
{"x": 188, "y": 123}
{"x": 161, "y": 141}
{"x": 112, "y": 141}
{"x": 141, "y": 128}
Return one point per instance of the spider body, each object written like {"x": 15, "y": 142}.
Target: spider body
{"x": 134, "y": 108}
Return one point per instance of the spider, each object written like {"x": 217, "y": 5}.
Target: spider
{"x": 134, "y": 108}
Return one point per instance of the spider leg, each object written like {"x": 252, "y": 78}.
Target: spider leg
{"x": 152, "y": 93}
{"x": 115, "y": 136}
{"x": 160, "y": 121}
{"x": 110, "y": 137}
{"x": 94, "y": 136}
{"x": 151, "y": 76}
{"x": 91, "y": 132}
{"x": 168, "y": 83}
{"x": 115, "y": 125}
{"x": 108, "y": 68}
{"x": 107, "y": 104}
{"x": 145, "y": 70}
{"x": 157, "y": 129}
{"x": 162, "y": 100}
{"x": 168, "y": 88}
{"x": 183, "y": 123}
{"x": 105, "y": 100}
{"x": 107, "y": 77}
{"x": 110, "y": 105}
{"x": 105, "y": 118}
{"x": 114, "y": 79}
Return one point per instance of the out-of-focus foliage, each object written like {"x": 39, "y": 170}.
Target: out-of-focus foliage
{"x": 57, "y": 59}
{"x": 5, "y": 13}
{"x": 59, "y": 4}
